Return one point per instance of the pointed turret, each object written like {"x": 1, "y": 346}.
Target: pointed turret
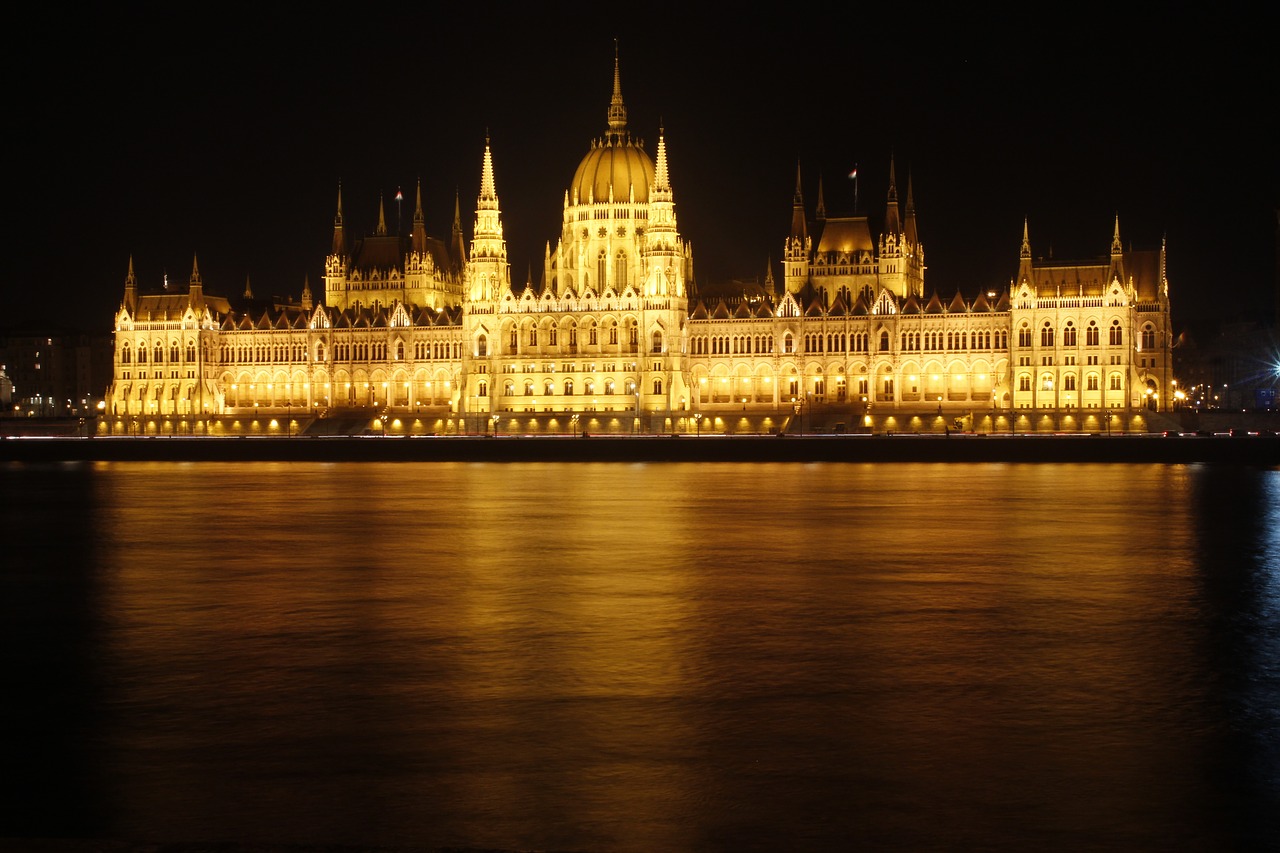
{"x": 195, "y": 287}
{"x": 661, "y": 180}
{"x": 382, "y": 218}
{"x": 488, "y": 270}
{"x": 892, "y": 224}
{"x": 306, "y": 294}
{"x": 130, "y": 289}
{"x": 796, "y": 250}
{"x": 339, "y": 238}
{"x": 419, "y": 222}
{"x": 248, "y": 290}
{"x": 820, "y": 213}
{"x": 799, "y": 227}
{"x": 1024, "y": 256}
{"x": 1117, "y": 255}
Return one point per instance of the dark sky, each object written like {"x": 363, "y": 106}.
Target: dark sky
{"x": 224, "y": 130}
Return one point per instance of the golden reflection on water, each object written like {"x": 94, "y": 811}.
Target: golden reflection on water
{"x": 643, "y": 657}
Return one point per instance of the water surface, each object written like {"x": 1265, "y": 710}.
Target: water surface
{"x": 637, "y": 657}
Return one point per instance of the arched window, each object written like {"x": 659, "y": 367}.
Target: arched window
{"x": 173, "y": 353}
{"x": 509, "y": 389}
{"x": 1117, "y": 337}
{"x": 515, "y": 340}
{"x": 657, "y": 342}
{"x": 319, "y": 350}
{"x": 601, "y": 268}
{"x": 657, "y": 386}
{"x": 1091, "y": 382}
{"x": 528, "y": 387}
{"x": 1091, "y": 334}
{"x": 400, "y": 351}
{"x": 1046, "y": 335}
{"x": 1069, "y": 382}
{"x": 142, "y": 353}
{"x": 1148, "y": 337}
{"x": 1024, "y": 382}
{"x": 1024, "y": 336}
{"x": 159, "y": 354}
{"x": 483, "y": 389}
{"x": 125, "y": 353}
{"x": 884, "y": 342}
{"x": 482, "y": 346}
{"x": 1069, "y": 335}
{"x": 620, "y": 271}
{"x": 568, "y": 387}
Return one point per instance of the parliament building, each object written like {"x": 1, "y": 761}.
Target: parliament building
{"x": 421, "y": 335}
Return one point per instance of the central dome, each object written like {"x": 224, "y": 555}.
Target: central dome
{"x": 614, "y": 161}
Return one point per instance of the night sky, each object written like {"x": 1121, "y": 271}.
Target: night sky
{"x": 225, "y": 135}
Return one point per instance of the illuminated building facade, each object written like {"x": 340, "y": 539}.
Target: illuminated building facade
{"x": 418, "y": 335}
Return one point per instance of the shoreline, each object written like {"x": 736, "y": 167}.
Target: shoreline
{"x": 1252, "y": 450}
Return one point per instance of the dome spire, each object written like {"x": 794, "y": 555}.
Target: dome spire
{"x": 617, "y": 110}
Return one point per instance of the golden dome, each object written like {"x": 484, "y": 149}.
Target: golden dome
{"x": 615, "y": 161}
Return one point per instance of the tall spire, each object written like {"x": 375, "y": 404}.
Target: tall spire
{"x": 419, "y": 222}
{"x": 617, "y": 110}
{"x": 306, "y": 293}
{"x": 661, "y": 180}
{"x": 799, "y": 228}
{"x": 892, "y": 224}
{"x": 1116, "y": 248}
{"x": 488, "y": 190}
{"x": 196, "y": 284}
{"x": 382, "y": 217}
{"x": 248, "y": 291}
{"x": 130, "y": 288}
{"x": 339, "y": 239}
{"x": 820, "y": 212}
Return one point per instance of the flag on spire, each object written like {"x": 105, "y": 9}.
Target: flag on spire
{"x": 853, "y": 176}
{"x": 399, "y": 195}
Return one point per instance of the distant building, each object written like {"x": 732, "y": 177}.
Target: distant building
{"x": 53, "y": 374}
{"x": 422, "y": 335}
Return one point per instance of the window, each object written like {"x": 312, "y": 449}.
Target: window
{"x": 515, "y": 340}
{"x": 657, "y": 341}
{"x": 788, "y": 343}
{"x": 1069, "y": 335}
{"x": 1091, "y": 382}
{"x": 482, "y": 347}
{"x": 1091, "y": 334}
{"x": 1069, "y": 382}
{"x": 533, "y": 337}
{"x": 657, "y": 386}
{"x": 1024, "y": 382}
{"x": 125, "y": 357}
{"x": 884, "y": 342}
{"x": 483, "y": 389}
{"x": 1024, "y": 336}
{"x": 1046, "y": 335}
{"x": 1148, "y": 338}
{"x": 1117, "y": 338}
{"x": 1115, "y": 382}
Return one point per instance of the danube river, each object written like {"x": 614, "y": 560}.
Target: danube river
{"x": 643, "y": 656}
